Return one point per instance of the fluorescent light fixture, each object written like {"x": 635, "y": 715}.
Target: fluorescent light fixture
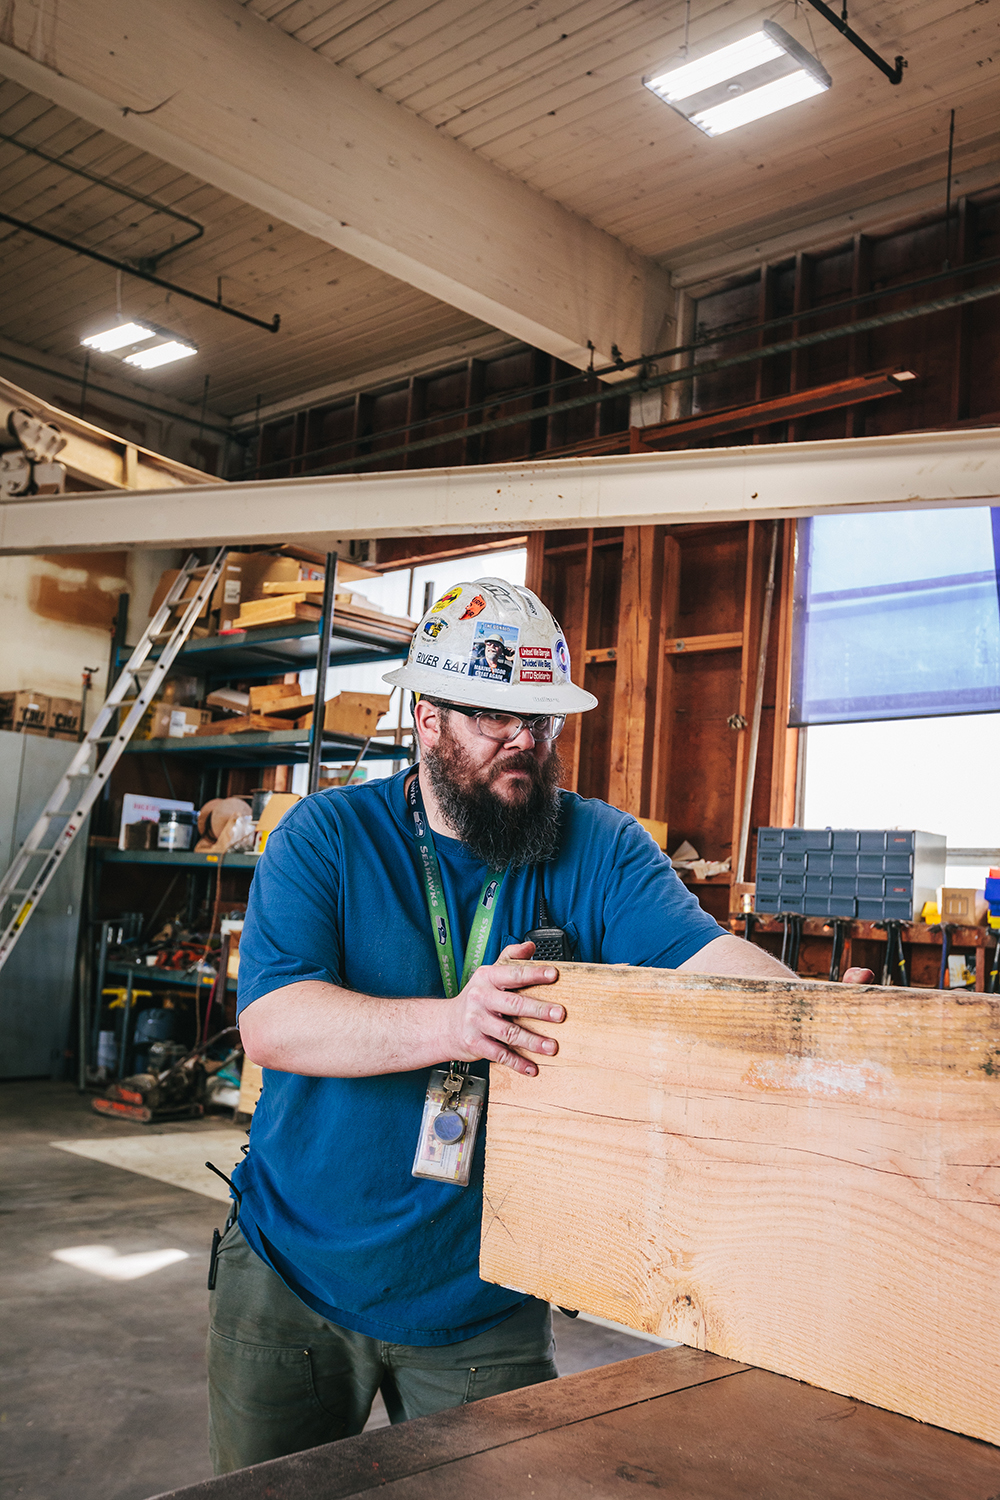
{"x": 118, "y": 336}
{"x": 743, "y": 81}
{"x": 160, "y": 354}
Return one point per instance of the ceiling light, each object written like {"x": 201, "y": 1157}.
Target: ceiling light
{"x": 118, "y": 336}
{"x": 744, "y": 81}
{"x": 160, "y": 354}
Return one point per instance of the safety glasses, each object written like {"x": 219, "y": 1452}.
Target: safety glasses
{"x": 506, "y": 727}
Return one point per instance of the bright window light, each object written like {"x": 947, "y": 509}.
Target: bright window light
{"x": 160, "y": 354}
{"x": 118, "y": 336}
{"x": 741, "y": 82}
{"x": 753, "y": 106}
{"x": 718, "y": 67}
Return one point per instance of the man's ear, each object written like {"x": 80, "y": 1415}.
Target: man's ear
{"x": 427, "y": 719}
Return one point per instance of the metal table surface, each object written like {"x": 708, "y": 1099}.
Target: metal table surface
{"x": 679, "y": 1422}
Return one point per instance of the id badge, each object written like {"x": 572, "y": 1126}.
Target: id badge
{"x": 441, "y": 1158}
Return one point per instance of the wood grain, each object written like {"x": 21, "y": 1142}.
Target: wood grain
{"x": 799, "y": 1175}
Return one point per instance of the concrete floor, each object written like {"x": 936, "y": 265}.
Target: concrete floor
{"x": 103, "y": 1381}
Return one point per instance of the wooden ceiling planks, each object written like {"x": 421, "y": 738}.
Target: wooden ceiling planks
{"x": 340, "y": 317}
{"x": 551, "y": 92}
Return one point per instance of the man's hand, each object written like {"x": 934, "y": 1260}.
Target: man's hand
{"x": 485, "y": 1015}
{"x": 857, "y": 976}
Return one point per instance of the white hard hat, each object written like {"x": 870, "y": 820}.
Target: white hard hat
{"x": 448, "y": 653}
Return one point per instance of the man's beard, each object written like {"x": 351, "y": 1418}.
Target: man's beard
{"x": 501, "y": 834}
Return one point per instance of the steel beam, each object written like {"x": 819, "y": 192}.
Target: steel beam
{"x": 926, "y": 469}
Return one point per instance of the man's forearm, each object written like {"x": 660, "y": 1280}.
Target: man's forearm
{"x": 322, "y": 1031}
{"x": 733, "y": 955}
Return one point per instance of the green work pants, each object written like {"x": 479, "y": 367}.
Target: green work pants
{"x": 280, "y": 1378}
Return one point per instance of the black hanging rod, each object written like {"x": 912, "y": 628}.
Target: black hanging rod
{"x": 122, "y": 265}
{"x": 894, "y": 73}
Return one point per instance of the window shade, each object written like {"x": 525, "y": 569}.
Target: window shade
{"x": 897, "y": 616}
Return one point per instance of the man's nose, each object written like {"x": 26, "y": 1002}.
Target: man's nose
{"x": 519, "y": 738}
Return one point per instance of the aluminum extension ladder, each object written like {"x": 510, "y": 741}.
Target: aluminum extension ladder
{"x": 45, "y": 847}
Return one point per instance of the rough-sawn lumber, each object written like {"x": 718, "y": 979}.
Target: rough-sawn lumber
{"x": 798, "y": 1175}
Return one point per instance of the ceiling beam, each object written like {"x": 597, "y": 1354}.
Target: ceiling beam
{"x": 212, "y": 88}
{"x": 903, "y": 471}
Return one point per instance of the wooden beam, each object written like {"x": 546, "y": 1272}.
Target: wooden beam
{"x": 819, "y": 398}
{"x": 785, "y": 741}
{"x": 95, "y": 457}
{"x": 210, "y": 87}
{"x": 803, "y": 1176}
{"x": 840, "y": 475}
{"x": 637, "y": 669}
{"x": 726, "y": 640}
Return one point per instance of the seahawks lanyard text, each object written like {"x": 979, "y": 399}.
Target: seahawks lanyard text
{"x": 486, "y": 906}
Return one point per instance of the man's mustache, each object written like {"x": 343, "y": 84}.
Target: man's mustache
{"x": 517, "y": 760}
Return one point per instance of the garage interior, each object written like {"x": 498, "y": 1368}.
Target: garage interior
{"x": 444, "y": 291}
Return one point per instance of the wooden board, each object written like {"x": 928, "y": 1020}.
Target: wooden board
{"x": 274, "y": 611}
{"x": 799, "y": 1175}
{"x": 242, "y": 723}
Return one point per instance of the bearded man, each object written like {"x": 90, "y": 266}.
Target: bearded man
{"x": 352, "y": 1266}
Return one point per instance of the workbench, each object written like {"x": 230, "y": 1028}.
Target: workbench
{"x": 680, "y": 1422}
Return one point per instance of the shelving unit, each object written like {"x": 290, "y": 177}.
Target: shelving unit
{"x": 240, "y": 656}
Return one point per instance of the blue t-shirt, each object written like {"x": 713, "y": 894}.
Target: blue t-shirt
{"x": 328, "y": 1198}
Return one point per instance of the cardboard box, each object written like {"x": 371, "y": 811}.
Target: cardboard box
{"x": 245, "y": 574}
{"x": 242, "y": 578}
{"x": 957, "y": 903}
{"x": 25, "y": 712}
{"x": 351, "y": 713}
{"x": 64, "y": 718}
{"x": 274, "y": 810}
{"x": 169, "y": 721}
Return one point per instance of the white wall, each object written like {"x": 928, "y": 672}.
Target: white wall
{"x": 935, "y": 774}
{"x": 48, "y": 656}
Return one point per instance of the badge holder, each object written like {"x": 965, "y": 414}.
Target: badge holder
{"x": 453, "y": 1108}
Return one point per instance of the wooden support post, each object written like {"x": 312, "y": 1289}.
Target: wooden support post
{"x": 637, "y": 668}
{"x": 785, "y": 746}
{"x": 796, "y": 1174}
{"x": 663, "y": 722}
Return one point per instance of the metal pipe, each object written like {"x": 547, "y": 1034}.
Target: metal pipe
{"x": 894, "y": 74}
{"x": 122, "y": 265}
{"x": 692, "y": 372}
{"x": 758, "y": 704}
{"x": 117, "y": 187}
{"x": 322, "y": 663}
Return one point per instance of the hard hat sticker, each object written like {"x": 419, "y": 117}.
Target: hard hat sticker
{"x": 536, "y": 664}
{"x": 446, "y": 599}
{"x": 433, "y": 628}
{"x": 494, "y": 648}
{"x": 562, "y": 656}
{"x": 475, "y": 607}
{"x": 502, "y": 595}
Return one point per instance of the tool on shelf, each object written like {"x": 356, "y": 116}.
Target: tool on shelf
{"x": 64, "y": 814}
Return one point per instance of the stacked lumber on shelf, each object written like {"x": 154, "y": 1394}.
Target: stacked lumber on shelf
{"x": 802, "y": 1176}
{"x": 243, "y": 723}
{"x": 284, "y": 609}
{"x": 288, "y": 602}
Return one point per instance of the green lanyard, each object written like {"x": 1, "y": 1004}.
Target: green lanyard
{"x": 486, "y": 906}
